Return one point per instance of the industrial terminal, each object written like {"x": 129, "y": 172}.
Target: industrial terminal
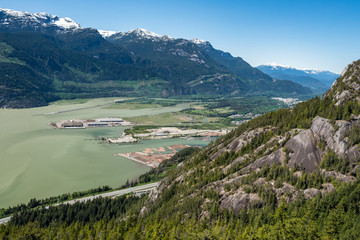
{"x": 99, "y": 122}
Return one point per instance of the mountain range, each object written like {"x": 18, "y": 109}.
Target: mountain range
{"x": 46, "y": 57}
{"x": 317, "y": 80}
{"x": 289, "y": 174}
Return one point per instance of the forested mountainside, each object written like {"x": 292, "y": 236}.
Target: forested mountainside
{"x": 231, "y": 75}
{"x": 289, "y": 174}
{"x": 45, "y": 57}
{"x": 35, "y": 69}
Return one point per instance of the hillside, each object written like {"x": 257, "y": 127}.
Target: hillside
{"x": 35, "y": 69}
{"x": 207, "y": 68}
{"x": 289, "y": 174}
{"x": 317, "y": 80}
{"x": 47, "y": 57}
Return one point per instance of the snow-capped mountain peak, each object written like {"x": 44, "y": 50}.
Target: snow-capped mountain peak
{"x": 138, "y": 32}
{"x": 148, "y": 34}
{"x": 315, "y": 79}
{"x": 66, "y": 23}
{"x": 276, "y": 65}
{"x": 106, "y": 34}
{"x": 145, "y": 33}
{"x": 10, "y": 17}
{"x": 15, "y": 13}
{"x": 198, "y": 41}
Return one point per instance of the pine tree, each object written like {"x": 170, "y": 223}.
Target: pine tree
{"x": 334, "y": 222}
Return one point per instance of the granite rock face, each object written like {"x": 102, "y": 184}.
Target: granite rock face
{"x": 323, "y": 130}
{"x": 305, "y": 146}
{"x": 275, "y": 157}
{"x": 304, "y": 151}
{"x": 239, "y": 200}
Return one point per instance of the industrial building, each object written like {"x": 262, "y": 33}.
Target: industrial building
{"x": 110, "y": 120}
{"x": 73, "y": 125}
{"x": 97, "y": 124}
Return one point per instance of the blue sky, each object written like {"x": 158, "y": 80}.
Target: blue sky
{"x": 317, "y": 34}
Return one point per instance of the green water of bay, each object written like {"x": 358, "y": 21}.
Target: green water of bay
{"x": 39, "y": 161}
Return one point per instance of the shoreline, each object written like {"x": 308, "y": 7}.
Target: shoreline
{"x": 136, "y": 160}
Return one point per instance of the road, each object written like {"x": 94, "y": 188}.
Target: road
{"x": 112, "y": 194}
{"x": 4, "y": 220}
{"x": 117, "y": 193}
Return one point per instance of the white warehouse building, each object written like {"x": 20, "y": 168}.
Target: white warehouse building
{"x": 110, "y": 120}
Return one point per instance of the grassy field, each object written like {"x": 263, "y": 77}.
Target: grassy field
{"x": 201, "y": 114}
{"x": 158, "y": 119}
{"x": 71, "y": 101}
{"x": 132, "y": 106}
{"x": 230, "y": 106}
{"x": 171, "y": 118}
{"x": 143, "y": 103}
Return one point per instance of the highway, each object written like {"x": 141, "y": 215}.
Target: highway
{"x": 142, "y": 188}
{"x": 4, "y": 220}
{"x": 113, "y": 194}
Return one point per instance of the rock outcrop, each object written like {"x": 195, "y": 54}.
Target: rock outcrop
{"x": 239, "y": 200}
{"x": 305, "y": 146}
{"x": 276, "y": 157}
{"x": 304, "y": 151}
{"x": 324, "y": 131}
{"x": 347, "y": 86}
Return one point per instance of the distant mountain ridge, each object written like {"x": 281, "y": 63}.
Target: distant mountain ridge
{"x": 256, "y": 79}
{"x": 168, "y": 51}
{"x": 73, "y": 62}
{"x": 317, "y": 80}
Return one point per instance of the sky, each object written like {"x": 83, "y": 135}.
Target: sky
{"x": 312, "y": 34}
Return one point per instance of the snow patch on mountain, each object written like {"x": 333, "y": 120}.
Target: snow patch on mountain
{"x": 66, "y": 23}
{"x": 42, "y": 19}
{"x": 284, "y": 66}
{"x": 14, "y": 13}
{"x": 198, "y": 41}
{"x": 42, "y": 15}
{"x": 276, "y": 65}
{"x": 143, "y": 33}
{"x": 106, "y": 34}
